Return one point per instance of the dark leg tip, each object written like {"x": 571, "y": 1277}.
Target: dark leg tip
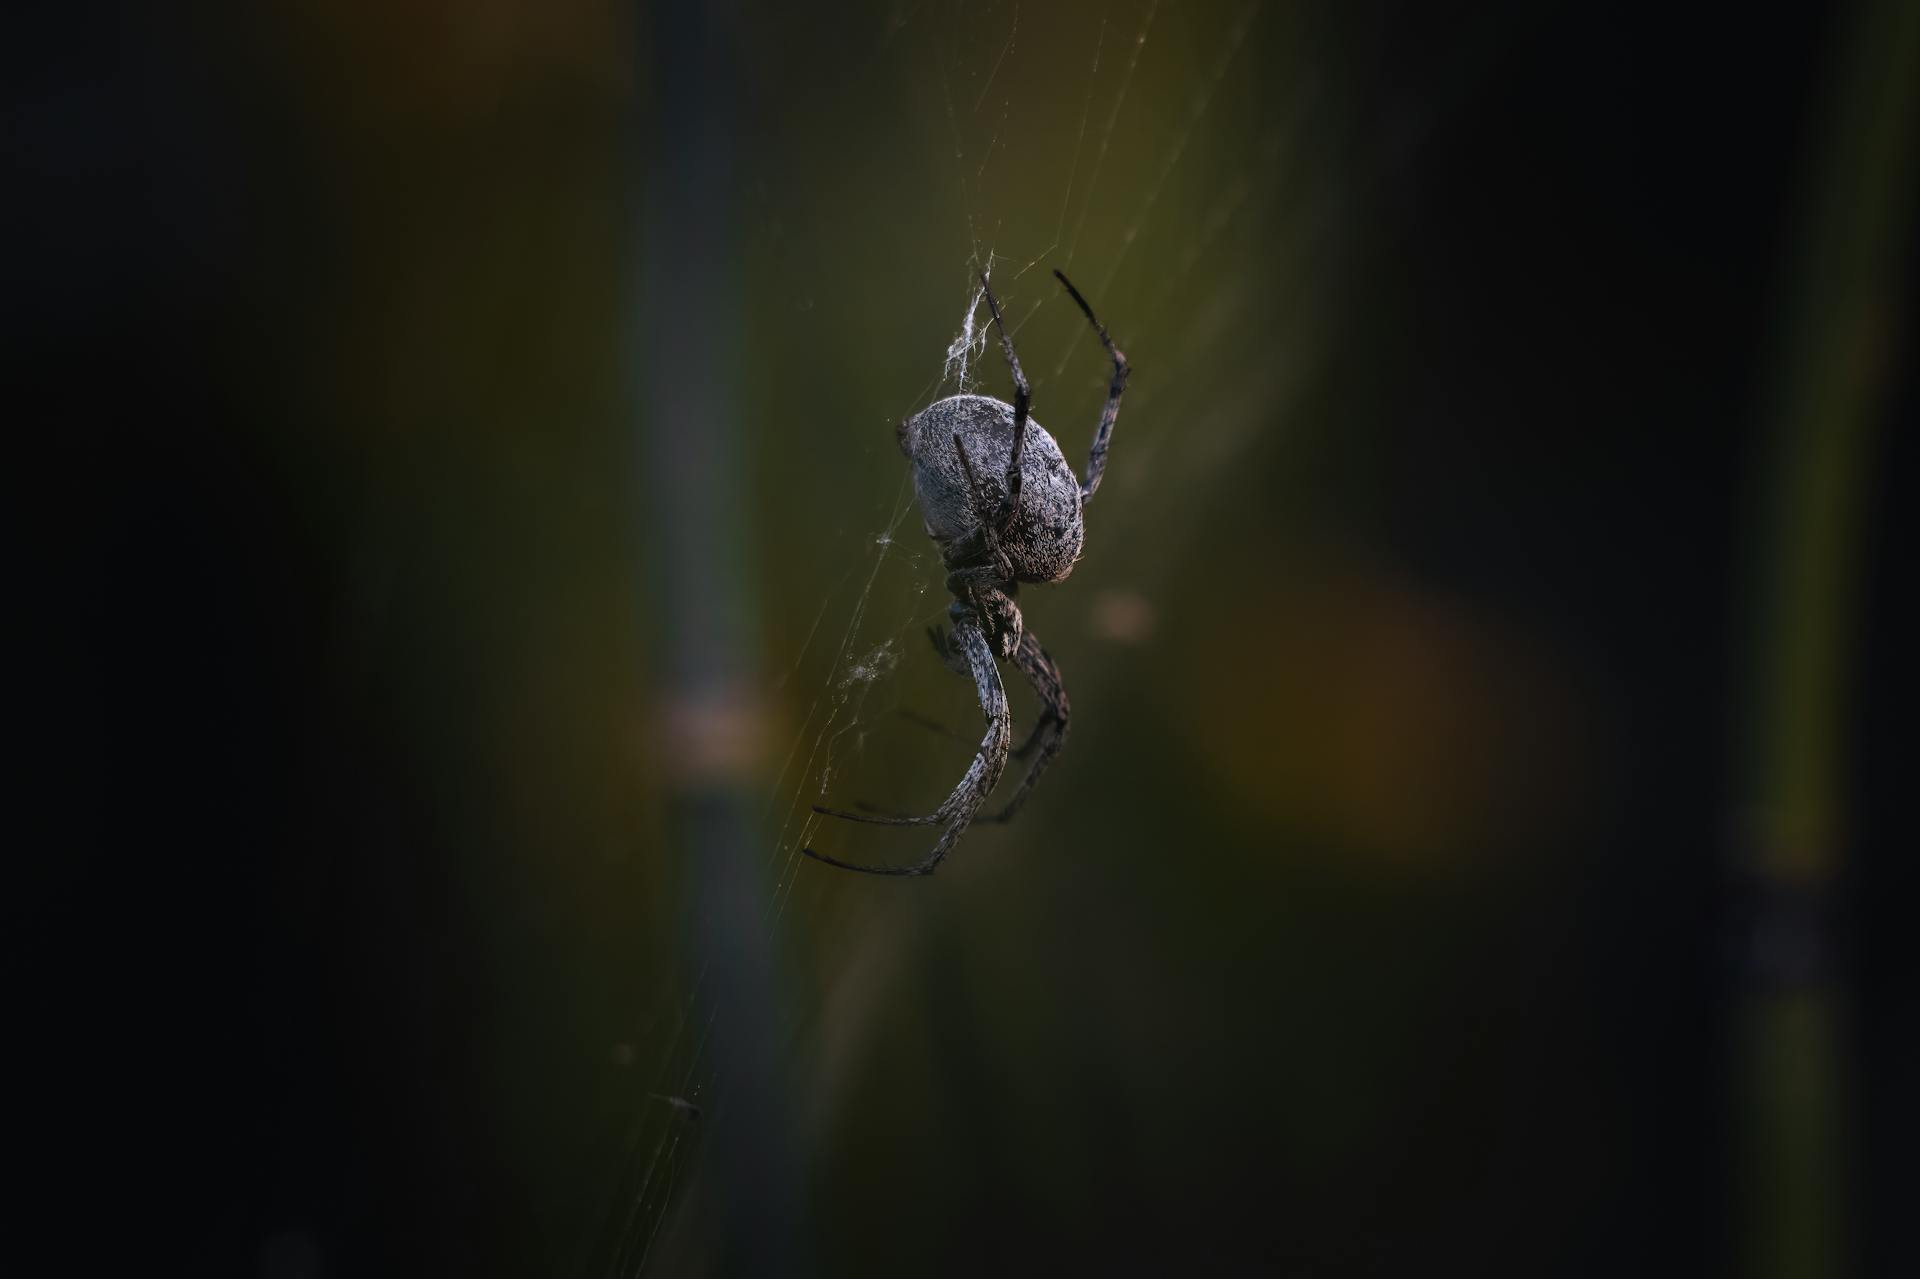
{"x": 895, "y": 872}
{"x": 875, "y": 816}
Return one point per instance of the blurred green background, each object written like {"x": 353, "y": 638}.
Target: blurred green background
{"x": 1469, "y": 851}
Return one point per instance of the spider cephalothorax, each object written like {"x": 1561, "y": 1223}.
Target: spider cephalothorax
{"x": 1005, "y": 508}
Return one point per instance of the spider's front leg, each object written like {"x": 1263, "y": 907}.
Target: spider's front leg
{"x": 1022, "y": 404}
{"x": 1097, "y": 455}
{"x": 979, "y": 572}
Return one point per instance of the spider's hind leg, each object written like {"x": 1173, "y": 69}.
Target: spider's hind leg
{"x": 1050, "y": 734}
{"x": 933, "y": 725}
{"x": 989, "y": 761}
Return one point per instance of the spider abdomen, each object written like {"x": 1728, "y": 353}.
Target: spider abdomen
{"x": 1046, "y": 533}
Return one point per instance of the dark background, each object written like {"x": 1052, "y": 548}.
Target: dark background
{"x": 1436, "y": 882}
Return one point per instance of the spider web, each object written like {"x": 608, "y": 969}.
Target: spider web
{"x": 1166, "y": 161}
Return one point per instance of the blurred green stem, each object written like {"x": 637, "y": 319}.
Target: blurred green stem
{"x": 1825, "y": 398}
{"x": 700, "y": 601}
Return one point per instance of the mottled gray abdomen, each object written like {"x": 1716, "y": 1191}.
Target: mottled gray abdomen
{"x": 1047, "y": 531}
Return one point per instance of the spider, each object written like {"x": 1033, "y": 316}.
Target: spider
{"x": 1004, "y": 507}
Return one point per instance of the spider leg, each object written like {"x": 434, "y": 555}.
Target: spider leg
{"x": 981, "y": 775}
{"x": 956, "y": 662}
{"x": 928, "y": 722}
{"x": 905, "y": 819}
{"x": 879, "y": 817}
{"x": 1051, "y": 732}
{"x": 1097, "y": 455}
{"x": 950, "y": 655}
{"x": 984, "y": 587}
{"x": 1000, "y": 568}
{"x": 1022, "y": 401}
{"x": 1025, "y": 748}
